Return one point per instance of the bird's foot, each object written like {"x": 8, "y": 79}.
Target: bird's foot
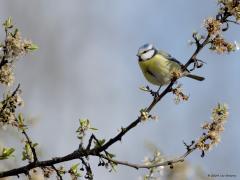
{"x": 155, "y": 94}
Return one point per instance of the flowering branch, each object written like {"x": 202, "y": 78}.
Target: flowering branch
{"x": 29, "y": 142}
{"x": 15, "y": 46}
{"x": 143, "y": 166}
{"x": 219, "y": 117}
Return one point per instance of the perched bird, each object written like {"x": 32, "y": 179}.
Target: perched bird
{"x": 158, "y": 66}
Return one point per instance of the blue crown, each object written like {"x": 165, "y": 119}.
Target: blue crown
{"x": 146, "y": 46}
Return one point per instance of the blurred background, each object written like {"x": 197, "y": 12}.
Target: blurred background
{"x": 86, "y": 67}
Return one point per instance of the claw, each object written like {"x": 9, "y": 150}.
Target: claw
{"x": 154, "y": 94}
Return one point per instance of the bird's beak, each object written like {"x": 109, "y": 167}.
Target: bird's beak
{"x": 138, "y": 55}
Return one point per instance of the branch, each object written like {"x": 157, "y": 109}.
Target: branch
{"x": 35, "y": 159}
{"x": 193, "y": 58}
{"x": 57, "y": 172}
{"x": 6, "y": 100}
{"x": 25, "y": 169}
{"x": 142, "y": 166}
{"x": 89, "y": 174}
{"x": 5, "y": 51}
{"x": 235, "y": 22}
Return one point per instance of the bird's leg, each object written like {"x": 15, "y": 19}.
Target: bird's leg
{"x": 155, "y": 94}
{"x": 159, "y": 89}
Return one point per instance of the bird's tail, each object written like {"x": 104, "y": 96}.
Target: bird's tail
{"x": 199, "y": 78}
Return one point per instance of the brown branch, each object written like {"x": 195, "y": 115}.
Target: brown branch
{"x": 143, "y": 166}
{"x": 200, "y": 46}
{"x": 35, "y": 159}
{"x": 57, "y": 172}
{"x": 25, "y": 169}
{"x": 6, "y": 100}
{"x": 89, "y": 174}
{"x": 90, "y": 142}
{"x": 5, "y": 51}
{"x": 235, "y": 22}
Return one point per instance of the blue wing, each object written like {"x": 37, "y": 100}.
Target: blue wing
{"x": 169, "y": 57}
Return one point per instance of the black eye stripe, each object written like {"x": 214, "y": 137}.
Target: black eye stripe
{"x": 155, "y": 51}
{"x": 145, "y": 51}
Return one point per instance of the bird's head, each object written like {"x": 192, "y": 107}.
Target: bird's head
{"x": 145, "y": 52}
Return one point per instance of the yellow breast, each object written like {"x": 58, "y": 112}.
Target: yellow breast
{"x": 158, "y": 70}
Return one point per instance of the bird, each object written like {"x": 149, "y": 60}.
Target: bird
{"x": 157, "y": 66}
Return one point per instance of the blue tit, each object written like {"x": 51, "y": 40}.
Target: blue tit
{"x": 158, "y": 66}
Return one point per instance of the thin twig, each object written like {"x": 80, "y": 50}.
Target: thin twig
{"x": 143, "y": 166}
{"x": 5, "y": 51}
{"x": 90, "y": 142}
{"x": 57, "y": 172}
{"x": 35, "y": 159}
{"x": 6, "y": 100}
{"x": 89, "y": 174}
{"x": 235, "y": 22}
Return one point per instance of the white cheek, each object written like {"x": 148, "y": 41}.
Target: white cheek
{"x": 147, "y": 55}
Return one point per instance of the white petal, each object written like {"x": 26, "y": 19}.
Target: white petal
{"x": 237, "y": 45}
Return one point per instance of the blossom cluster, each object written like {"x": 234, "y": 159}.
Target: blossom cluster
{"x": 179, "y": 95}
{"x": 16, "y": 45}
{"x": 217, "y": 42}
{"x": 6, "y": 75}
{"x": 214, "y": 128}
{"x": 8, "y": 109}
{"x": 153, "y": 172}
{"x": 13, "y": 47}
{"x": 229, "y": 12}
{"x": 220, "y": 45}
{"x": 212, "y": 25}
{"x": 232, "y": 7}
